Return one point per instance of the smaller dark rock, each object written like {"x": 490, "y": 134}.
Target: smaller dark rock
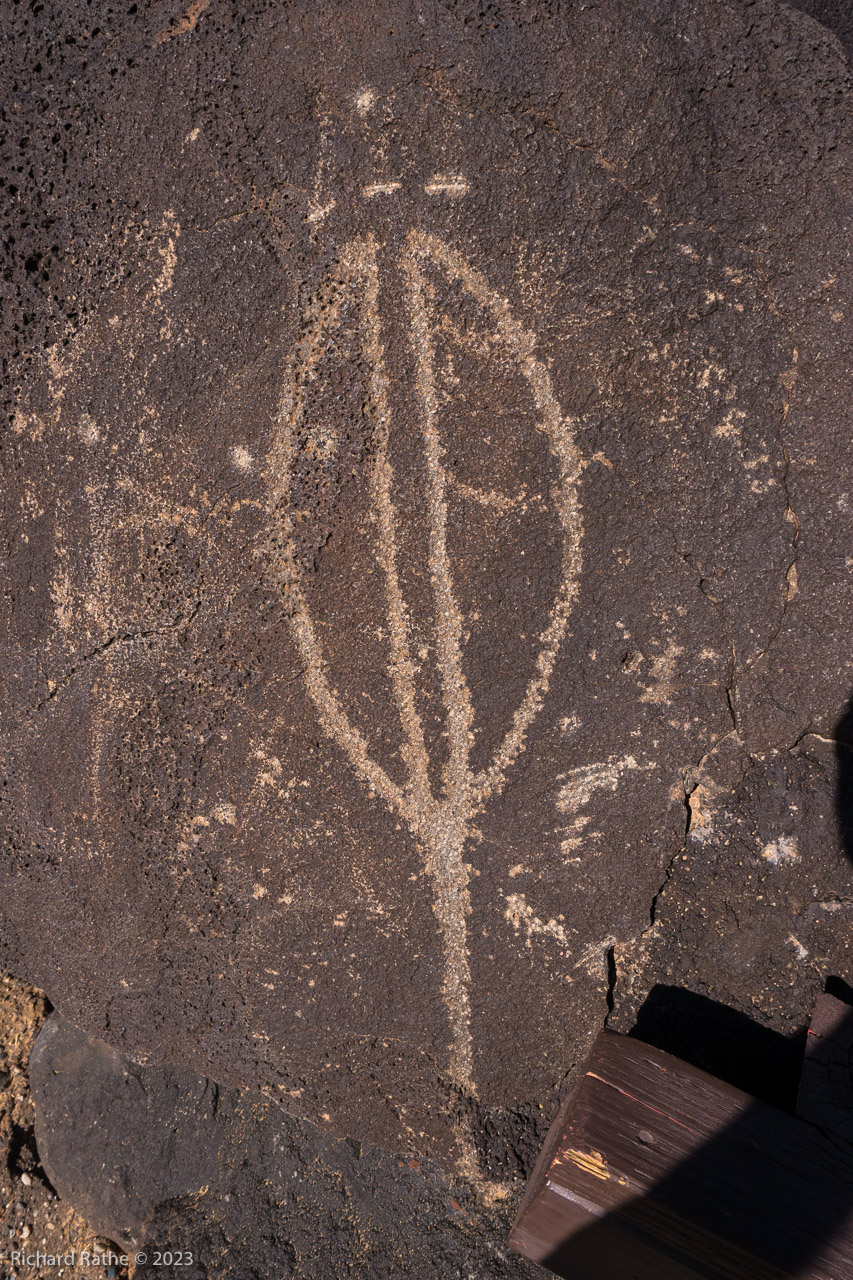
{"x": 165, "y": 1161}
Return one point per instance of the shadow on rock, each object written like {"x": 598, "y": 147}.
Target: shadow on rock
{"x": 739, "y": 1205}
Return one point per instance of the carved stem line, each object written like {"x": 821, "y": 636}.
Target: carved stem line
{"x": 402, "y": 673}
{"x": 457, "y": 699}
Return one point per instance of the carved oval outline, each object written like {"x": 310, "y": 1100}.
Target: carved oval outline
{"x": 440, "y": 823}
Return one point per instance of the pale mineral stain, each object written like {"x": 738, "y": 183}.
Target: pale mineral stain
{"x": 89, "y": 431}
{"x": 171, "y": 230}
{"x": 729, "y": 427}
{"x": 711, "y": 372}
{"x": 186, "y": 23}
{"x": 792, "y": 585}
{"x": 27, "y": 424}
{"x": 364, "y": 100}
{"x": 802, "y": 953}
{"x": 703, "y": 809}
{"x": 62, "y": 594}
{"x": 663, "y": 675}
{"x": 58, "y": 369}
{"x": 241, "y": 458}
{"x": 521, "y": 916}
{"x": 30, "y": 503}
{"x": 782, "y": 851}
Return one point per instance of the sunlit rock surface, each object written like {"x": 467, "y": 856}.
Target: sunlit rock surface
{"x": 426, "y": 525}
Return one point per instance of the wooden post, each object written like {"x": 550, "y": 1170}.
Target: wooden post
{"x": 654, "y": 1170}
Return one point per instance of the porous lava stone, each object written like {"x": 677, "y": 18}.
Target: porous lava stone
{"x": 425, "y": 520}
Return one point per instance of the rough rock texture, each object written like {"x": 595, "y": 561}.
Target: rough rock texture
{"x": 834, "y": 14}
{"x": 758, "y": 906}
{"x": 33, "y": 1219}
{"x": 168, "y": 1162}
{"x": 425, "y": 496}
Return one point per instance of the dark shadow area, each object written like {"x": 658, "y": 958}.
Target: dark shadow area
{"x": 840, "y": 989}
{"x": 751, "y": 1202}
{"x": 843, "y": 737}
{"x": 724, "y": 1042}
{"x": 836, "y": 15}
{"x": 768, "y": 1196}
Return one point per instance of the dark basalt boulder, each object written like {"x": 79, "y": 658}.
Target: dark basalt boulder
{"x": 426, "y": 527}
{"x": 205, "y": 1181}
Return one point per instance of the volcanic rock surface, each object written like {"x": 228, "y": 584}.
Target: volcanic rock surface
{"x": 169, "y": 1163}
{"x": 34, "y": 1222}
{"x": 426, "y": 535}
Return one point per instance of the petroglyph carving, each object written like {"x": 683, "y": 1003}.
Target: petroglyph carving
{"x": 318, "y": 208}
{"x": 452, "y": 184}
{"x": 380, "y": 189}
{"x": 579, "y": 786}
{"x": 438, "y": 816}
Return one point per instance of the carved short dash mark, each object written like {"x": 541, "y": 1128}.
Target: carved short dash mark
{"x": 450, "y": 184}
{"x": 317, "y": 215}
{"x": 380, "y": 189}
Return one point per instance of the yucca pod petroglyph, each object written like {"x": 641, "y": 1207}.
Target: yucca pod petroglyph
{"x": 438, "y": 816}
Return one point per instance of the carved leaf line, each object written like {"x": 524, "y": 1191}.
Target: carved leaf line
{"x": 401, "y": 668}
{"x": 301, "y": 367}
{"x": 522, "y": 344}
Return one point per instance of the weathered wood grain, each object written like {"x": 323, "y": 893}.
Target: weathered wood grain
{"x": 654, "y": 1168}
